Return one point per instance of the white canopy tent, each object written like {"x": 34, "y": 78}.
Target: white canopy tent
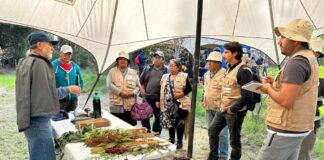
{"x": 98, "y": 25}
{"x": 105, "y": 27}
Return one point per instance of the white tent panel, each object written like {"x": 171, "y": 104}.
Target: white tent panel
{"x": 139, "y": 23}
{"x": 220, "y": 25}
{"x": 249, "y": 16}
{"x": 98, "y": 25}
{"x": 49, "y": 15}
{"x": 315, "y": 10}
{"x": 130, "y": 23}
{"x": 169, "y": 18}
{"x": 284, "y": 11}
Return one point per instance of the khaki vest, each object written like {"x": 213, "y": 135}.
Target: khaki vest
{"x": 300, "y": 117}
{"x": 127, "y": 83}
{"x": 213, "y": 89}
{"x": 231, "y": 90}
{"x": 179, "y": 86}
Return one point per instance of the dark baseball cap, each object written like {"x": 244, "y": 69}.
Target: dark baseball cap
{"x": 35, "y": 37}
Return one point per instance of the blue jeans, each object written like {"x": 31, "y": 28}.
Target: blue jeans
{"x": 234, "y": 123}
{"x": 223, "y": 135}
{"x": 39, "y": 137}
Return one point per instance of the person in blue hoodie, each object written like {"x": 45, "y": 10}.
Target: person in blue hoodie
{"x": 141, "y": 59}
{"x": 67, "y": 73}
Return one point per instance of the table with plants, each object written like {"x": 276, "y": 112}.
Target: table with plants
{"x": 123, "y": 142}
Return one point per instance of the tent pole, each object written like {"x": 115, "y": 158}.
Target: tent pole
{"x": 273, "y": 33}
{"x": 195, "y": 78}
{"x": 94, "y": 85}
{"x": 106, "y": 55}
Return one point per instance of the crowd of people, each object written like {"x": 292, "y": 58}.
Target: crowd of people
{"x": 292, "y": 116}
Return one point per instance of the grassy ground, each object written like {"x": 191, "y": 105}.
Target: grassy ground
{"x": 13, "y": 144}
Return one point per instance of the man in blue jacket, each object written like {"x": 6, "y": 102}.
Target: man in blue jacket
{"x": 67, "y": 73}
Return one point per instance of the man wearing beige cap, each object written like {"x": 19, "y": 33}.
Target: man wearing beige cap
{"x": 292, "y": 94}
{"x": 123, "y": 84}
{"x": 316, "y": 44}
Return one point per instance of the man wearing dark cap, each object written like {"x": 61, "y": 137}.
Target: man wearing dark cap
{"x": 292, "y": 94}
{"x": 150, "y": 82}
{"x": 37, "y": 96}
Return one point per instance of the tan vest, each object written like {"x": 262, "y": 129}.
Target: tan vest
{"x": 213, "y": 89}
{"x": 127, "y": 83}
{"x": 231, "y": 90}
{"x": 179, "y": 86}
{"x": 301, "y": 116}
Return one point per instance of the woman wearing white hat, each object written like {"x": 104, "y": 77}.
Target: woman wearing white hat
{"x": 123, "y": 84}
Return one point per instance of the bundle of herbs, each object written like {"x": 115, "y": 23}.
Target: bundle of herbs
{"x": 109, "y": 143}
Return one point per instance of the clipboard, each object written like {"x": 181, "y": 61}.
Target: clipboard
{"x": 252, "y": 86}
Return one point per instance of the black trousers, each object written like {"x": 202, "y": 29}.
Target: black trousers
{"x": 126, "y": 116}
{"x": 180, "y": 132}
{"x": 68, "y": 105}
{"x": 234, "y": 123}
{"x": 179, "y": 127}
{"x": 157, "y": 113}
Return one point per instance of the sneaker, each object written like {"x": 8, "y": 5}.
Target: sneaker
{"x": 57, "y": 151}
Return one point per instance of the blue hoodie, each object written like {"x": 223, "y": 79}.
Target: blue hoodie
{"x": 74, "y": 76}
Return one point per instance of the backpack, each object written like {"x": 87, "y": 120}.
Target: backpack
{"x": 259, "y": 61}
{"x": 137, "y": 60}
{"x": 141, "y": 59}
{"x": 202, "y": 63}
{"x": 255, "y": 96}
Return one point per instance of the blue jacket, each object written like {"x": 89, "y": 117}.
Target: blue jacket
{"x": 74, "y": 76}
{"x": 141, "y": 58}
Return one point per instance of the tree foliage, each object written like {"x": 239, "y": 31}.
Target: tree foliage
{"x": 14, "y": 44}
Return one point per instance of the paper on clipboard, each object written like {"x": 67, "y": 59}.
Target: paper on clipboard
{"x": 252, "y": 86}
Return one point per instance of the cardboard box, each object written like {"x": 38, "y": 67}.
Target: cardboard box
{"x": 99, "y": 122}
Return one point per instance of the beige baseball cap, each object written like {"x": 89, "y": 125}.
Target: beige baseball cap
{"x": 214, "y": 56}
{"x": 297, "y": 30}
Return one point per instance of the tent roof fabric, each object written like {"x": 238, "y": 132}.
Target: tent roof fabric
{"x": 139, "y": 23}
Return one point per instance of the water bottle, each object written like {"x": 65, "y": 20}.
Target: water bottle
{"x": 96, "y": 106}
